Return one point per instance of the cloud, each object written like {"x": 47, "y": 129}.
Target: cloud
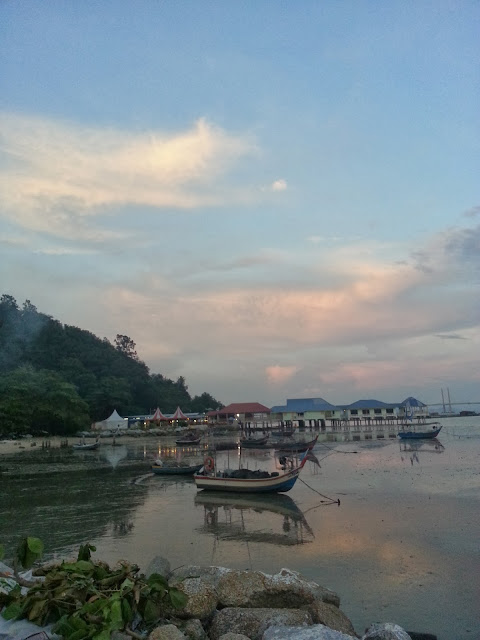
{"x": 279, "y": 185}
{"x": 452, "y": 336}
{"x": 277, "y": 374}
{"x": 56, "y": 176}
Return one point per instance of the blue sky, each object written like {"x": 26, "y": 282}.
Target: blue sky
{"x": 271, "y": 199}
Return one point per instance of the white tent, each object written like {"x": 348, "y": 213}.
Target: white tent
{"x": 113, "y": 423}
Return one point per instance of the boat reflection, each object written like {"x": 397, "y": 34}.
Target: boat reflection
{"x": 114, "y": 455}
{"x": 413, "y": 447}
{"x": 272, "y": 518}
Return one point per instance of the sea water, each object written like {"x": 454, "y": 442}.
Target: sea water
{"x": 402, "y": 546}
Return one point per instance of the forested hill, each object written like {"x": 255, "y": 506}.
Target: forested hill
{"x": 59, "y": 378}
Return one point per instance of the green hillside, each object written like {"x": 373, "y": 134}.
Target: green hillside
{"x": 59, "y": 378}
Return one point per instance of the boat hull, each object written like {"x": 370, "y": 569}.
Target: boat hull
{"x": 176, "y": 471}
{"x": 188, "y": 442}
{"x": 419, "y": 435}
{"x": 276, "y": 484}
{"x": 86, "y": 447}
{"x": 295, "y": 447}
{"x": 254, "y": 442}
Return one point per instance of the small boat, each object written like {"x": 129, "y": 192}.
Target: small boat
{"x": 283, "y": 433}
{"x": 189, "y": 438}
{"x": 175, "y": 469}
{"x": 251, "y": 442}
{"x": 86, "y": 446}
{"x": 295, "y": 447}
{"x": 407, "y": 433}
{"x": 247, "y": 481}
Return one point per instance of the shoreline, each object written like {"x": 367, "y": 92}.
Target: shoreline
{"x": 9, "y": 447}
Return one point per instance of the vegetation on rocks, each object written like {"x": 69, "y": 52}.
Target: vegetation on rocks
{"x": 87, "y": 600}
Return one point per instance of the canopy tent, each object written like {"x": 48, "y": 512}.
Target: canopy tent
{"x": 157, "y": 416}
{"x": 113, "y": 422}
{"x": 179, "y": 415}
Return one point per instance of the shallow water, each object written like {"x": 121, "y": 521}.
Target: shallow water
{"x": 402, "y": 546}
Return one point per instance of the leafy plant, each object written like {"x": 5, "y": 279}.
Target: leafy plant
{"x": 88, "y": 600}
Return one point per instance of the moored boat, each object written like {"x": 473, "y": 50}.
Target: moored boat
{"x": 85, "y": 446}
{"x": 176, "y": 469}
{"x": 246, "y": 480}
{"x": 409, "y": 433}
{"x": 252, "y": 442}
{"x": 295, "y": 446}
{"x": 189, "y": 438}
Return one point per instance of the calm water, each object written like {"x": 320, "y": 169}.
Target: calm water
{"x": 403, "y": 546}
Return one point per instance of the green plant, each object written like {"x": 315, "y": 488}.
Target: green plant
{"x": 88, "y": 600}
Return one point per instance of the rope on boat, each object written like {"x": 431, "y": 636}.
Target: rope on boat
{"x": 327, "y": 498}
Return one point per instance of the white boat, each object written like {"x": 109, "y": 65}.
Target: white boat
{"x": 85, "y": 446}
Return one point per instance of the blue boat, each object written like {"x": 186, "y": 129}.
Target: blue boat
{"x": 411, "y": 434}
{"x": 173, "y": 470}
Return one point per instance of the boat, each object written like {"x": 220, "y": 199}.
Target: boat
{"x": 252, "y": 442}
{"x": 283, "y": 433}
{"x": 85, "y": 446}
{"x": 246, "y": 480}
{"x": 407, "y": 433}
{"x": 294, "y": 446}
{"x": 167, "y": 469}
{"x": 189, "y": 438}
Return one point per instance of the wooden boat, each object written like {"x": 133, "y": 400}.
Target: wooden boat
{"x": 191, "y": 438}
{"x": 295, "y": 447}
{"x": 169, "y": 469}
{"x": 283, "y": 433}
{"x": 86, "y": 446}
{"x": 247, "y": 481}
{"x": 407, "y": 433}
{"x": 253, "y": 442}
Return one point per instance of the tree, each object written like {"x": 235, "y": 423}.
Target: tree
{"x": 40, "y": 400}
{"x": 126, "y": 345}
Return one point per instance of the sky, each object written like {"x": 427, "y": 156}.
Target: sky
{"x": 272, "y": 199}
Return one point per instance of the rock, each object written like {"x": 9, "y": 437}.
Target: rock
{"x": 330, "y": 616}
{"x": 414, "y": 635}
{"x": 194, "y": 630}
{"x": 257, "y": 589}
{"x": 209, "y": 574}
{"x": 233, "y": 636}
{"x": 385, "y": 631}
{"x": 253, "y": 622}
{"x": 243, "y": 589}
{"x": 160, "y": 565}
{"x": 315, "y": 632}
{"x": 166, "y": 632}
{"x": 202, "y": 598}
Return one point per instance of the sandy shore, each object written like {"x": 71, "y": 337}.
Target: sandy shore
{"x": 8, "y": 447}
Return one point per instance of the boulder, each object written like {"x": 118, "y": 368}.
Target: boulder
{"x": 166, "y": 632}
{"x": 202, "y": 598}
{"x": 330, "y": 616}
{"x": 193, "y": 629}
{"x": 385, "y": 631}
{"x": 160, "y": 565}
{"x": 233, "y": 636}
{"x": 315, "y": 632}
{"x": 253, "y": 622}
{"x": 257, "y": 589}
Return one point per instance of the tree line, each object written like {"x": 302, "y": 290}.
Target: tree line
{"x": 58, "y": 379}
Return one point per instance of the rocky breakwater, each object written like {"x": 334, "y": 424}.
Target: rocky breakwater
{"x": 226, "y": 604}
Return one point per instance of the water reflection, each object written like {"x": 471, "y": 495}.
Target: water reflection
{"x": 274, "y": 519}
{"x": 114, "y": 454}
{"x": 413, "y": 447}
